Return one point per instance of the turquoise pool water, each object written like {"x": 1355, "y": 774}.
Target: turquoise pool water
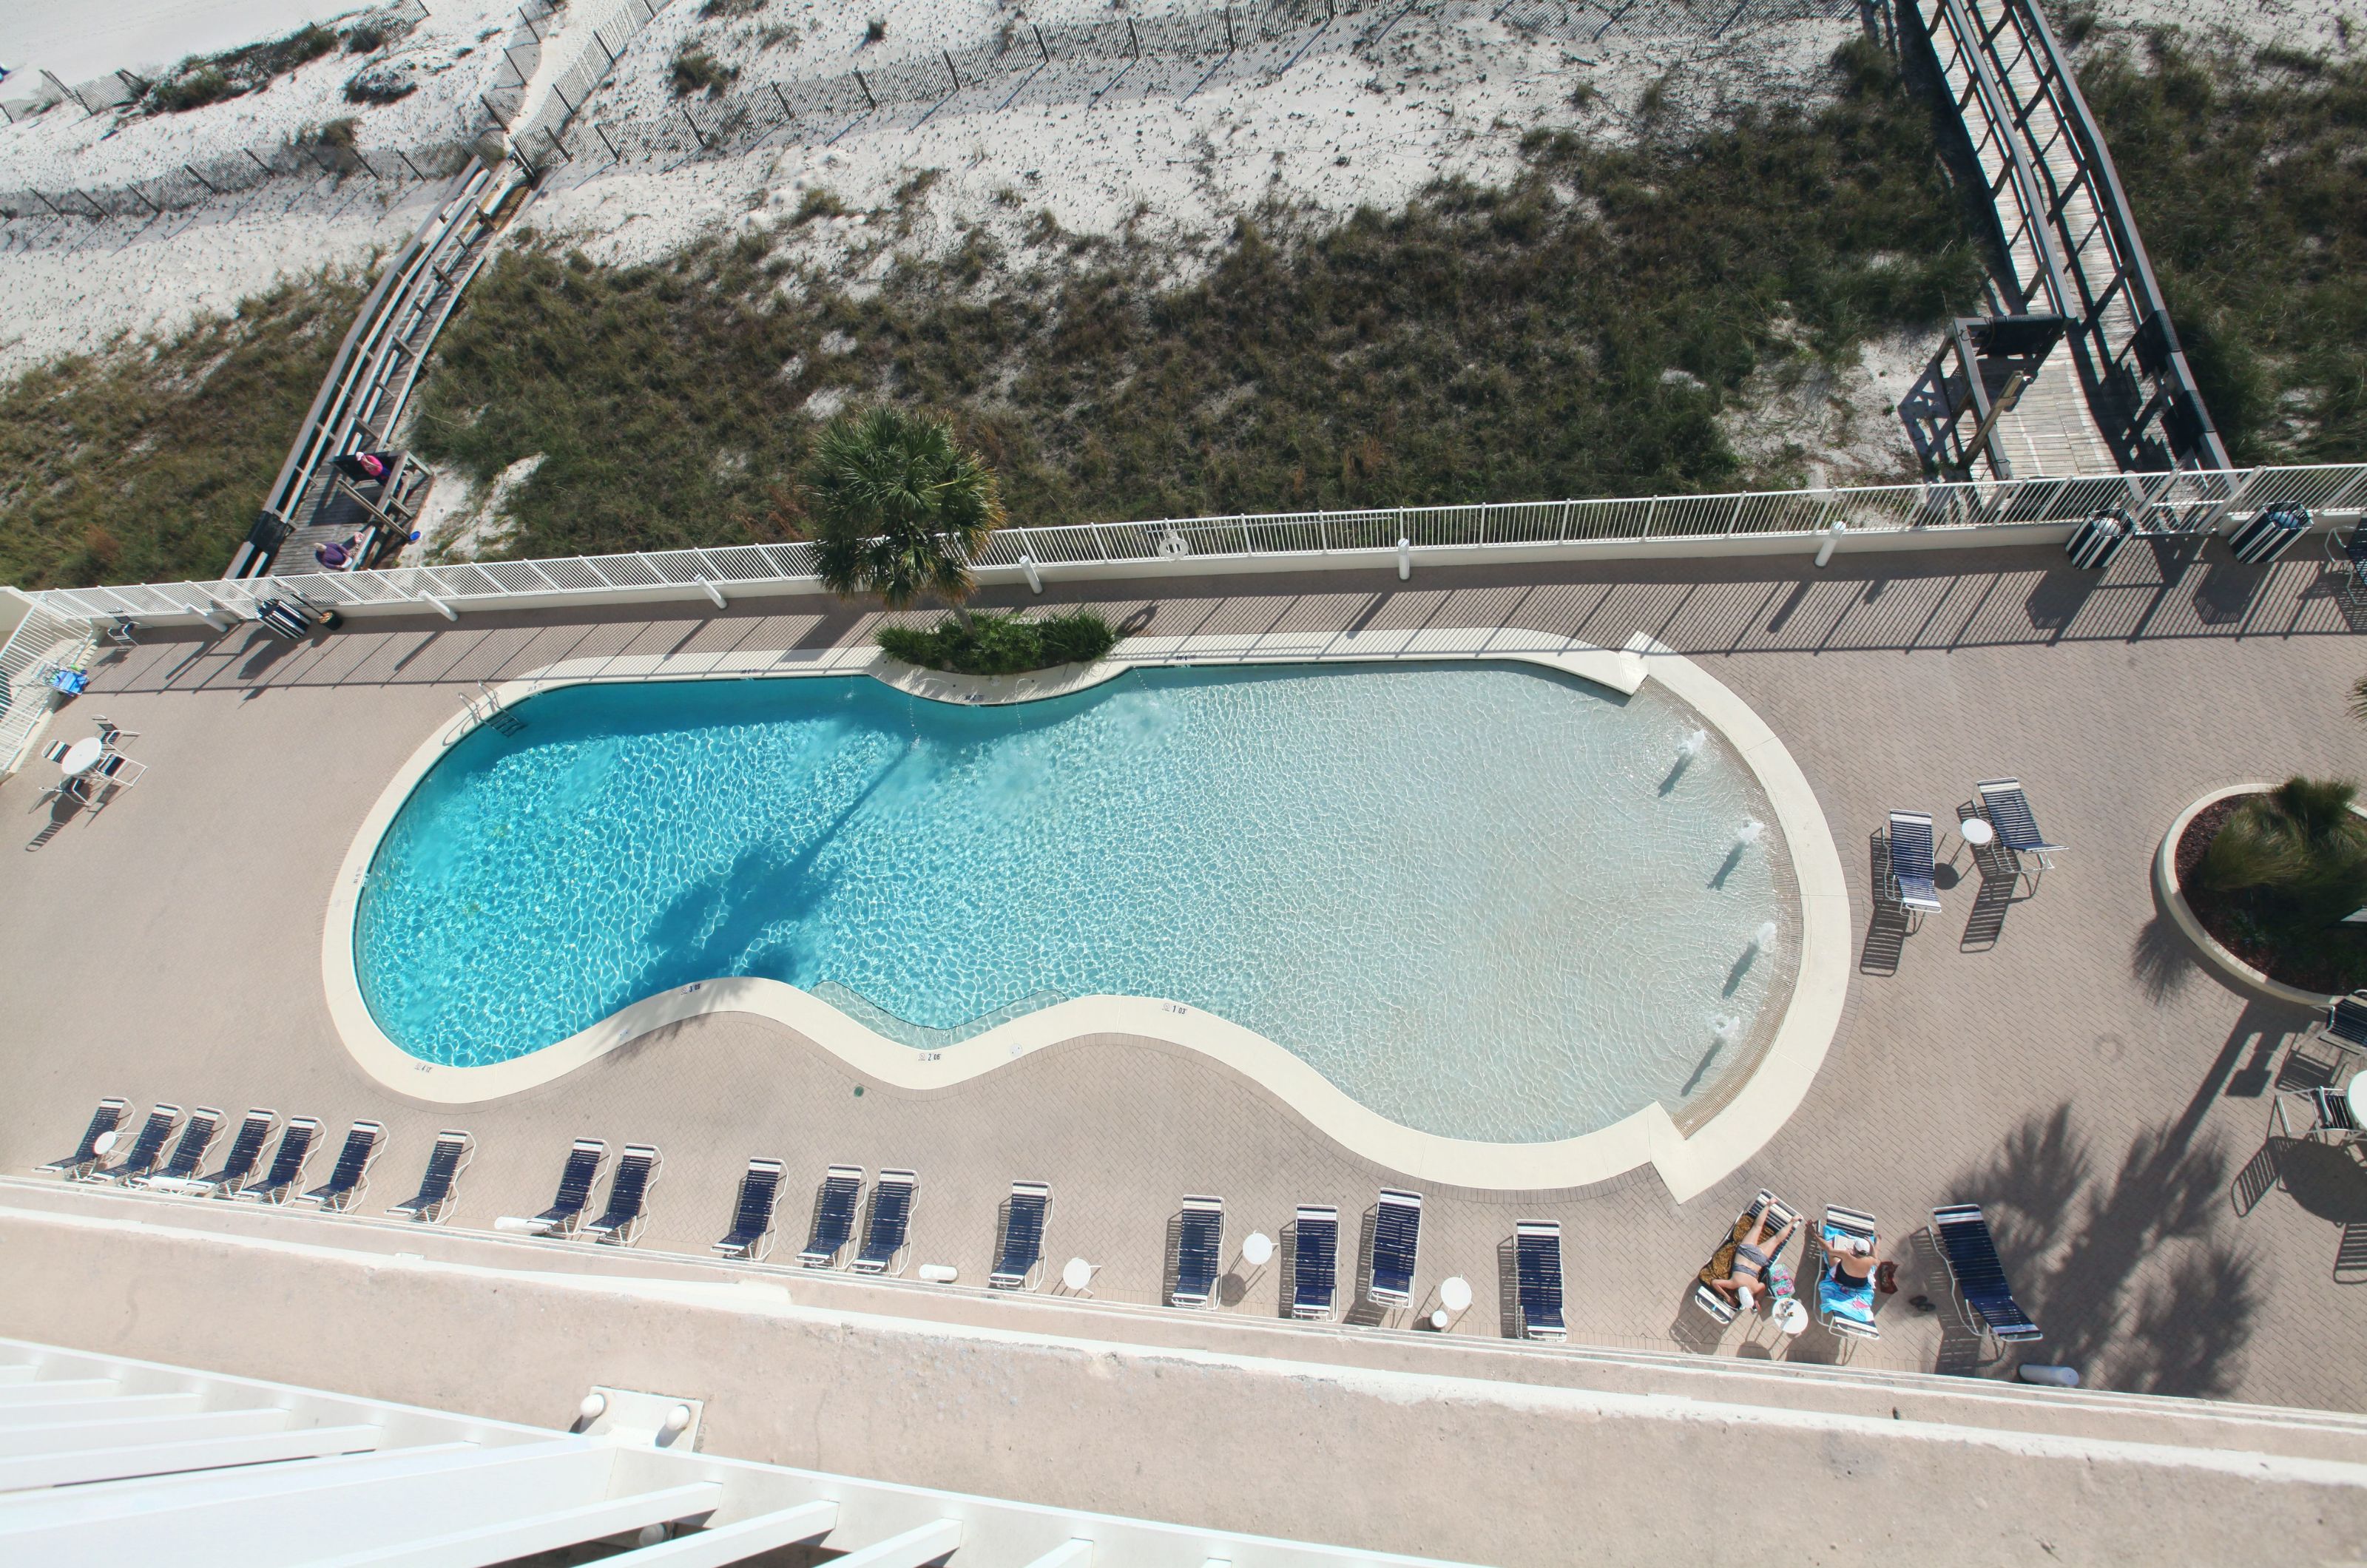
{"x": 1482, "y": 899}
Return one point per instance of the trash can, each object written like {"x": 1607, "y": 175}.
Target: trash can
{"x": 2268, "y": 535}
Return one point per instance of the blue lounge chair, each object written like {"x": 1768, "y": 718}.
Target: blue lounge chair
{"x": 78, "y": 1165}
{"x": 751, "y": 1235}
{"x": 287, "y": 1172}
{"x": 1979, "y": 1274}
{"x": 441, "y": 1179}
{"x": 628, "y": 1197}
{"x": 146, "y": 1150}
{"x": 2007, "y": 811}
{"x": 1396, "y": 1248}
{"x": 1315, "y": 1262}
{"x": 188, "y": 1154}
{"x": 1023, "y": 1236}
{"x": 1912, "y": 887}
{"x": 351, "y": 1175}
{"x": 585, "y": 1157}
{"x": 1537, "y": 1248}
{"x": 1199, "y": 1247}
{"x": 834, "y": 1217}
{"x": 1845, "y": 1305}
{"x": 238, "y": 1168}
{"x": 890, "y": 1221}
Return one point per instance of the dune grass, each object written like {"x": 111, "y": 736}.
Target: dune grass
{"x": 2247, "y": 170}
{"x": 1577, "y": 331}
{"x": 149, "y": 461}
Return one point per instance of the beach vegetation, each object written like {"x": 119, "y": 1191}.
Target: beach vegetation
{"x": 208, "y": 79}
{"x": 696, "y": 70}
{"x": 2246, "y": 171}
{"x": 1480, "y": 344}
{"x": 149, "y": 462}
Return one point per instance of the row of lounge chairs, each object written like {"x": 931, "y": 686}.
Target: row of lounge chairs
{"x": 1390, "y": 1279}
{"x": 244, "y": 1175}
{"x": 1844, "y": 1303}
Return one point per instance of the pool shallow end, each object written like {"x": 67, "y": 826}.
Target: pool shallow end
{"x": 1688, "y": 1164}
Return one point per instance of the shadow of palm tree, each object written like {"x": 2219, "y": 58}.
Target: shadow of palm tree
{"x": 2124, "y": 1273}
{"x": 2160, "y": 959}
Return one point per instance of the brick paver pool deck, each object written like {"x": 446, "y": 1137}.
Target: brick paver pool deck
{"x": 2054, "y": 1052}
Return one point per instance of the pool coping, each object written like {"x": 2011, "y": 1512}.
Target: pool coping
{"x": 1688, "y": 1165}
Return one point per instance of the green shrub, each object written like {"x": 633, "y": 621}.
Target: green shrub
{"x": 2298, "y": 853}
{"x": 992, "y": 643}
{"x": 696, "y": 70}
{"x": 194, "y": 91}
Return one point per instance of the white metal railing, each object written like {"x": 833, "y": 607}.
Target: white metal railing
{"x": 2185, "y": 502}
{"x": 42, "y": 638}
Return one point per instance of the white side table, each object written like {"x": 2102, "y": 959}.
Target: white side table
{"x": 1077, "y": 1275}
{"x": 1979, "y": 834}
{"x": 1257, "y": 1250}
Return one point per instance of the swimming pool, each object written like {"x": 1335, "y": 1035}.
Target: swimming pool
{"x": 1485, "y": 900}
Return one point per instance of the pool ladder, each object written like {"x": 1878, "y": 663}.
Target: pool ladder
{"x": 490, "y": 711}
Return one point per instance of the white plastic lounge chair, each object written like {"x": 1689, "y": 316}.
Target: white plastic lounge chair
{"x": 834, "y": 1217}
{"x": 1537, "y": 1250}
{"x": 350, "y": 1177}
{"x": 78, "y": 1165}
{"x": 889, "y": 1223}
{"x": 1396, "y": 1248}
{"x": 146, "y": 1150}
{"x": 628, "y": 1197}
{"x": 1315, "y": 1262}
{"x": 1022, "y": 1253}
{"x": 441, "y": 1179}
{"x": 1199, "y": 1247}
{"x": 1911, "y": 886}
{"x": 751, "y": 1235}
{"x": 585, "y": 1157}
{"x": 287, "y": 1172}
{"x": 1845, "y": 1306}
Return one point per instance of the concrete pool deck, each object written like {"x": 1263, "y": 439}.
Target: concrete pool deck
{"x": 2055, "y": 1053}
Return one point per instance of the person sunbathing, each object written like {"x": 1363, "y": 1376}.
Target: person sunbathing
{"x": 1752, "y": 1257}
{"x": 1852, "y": 1258}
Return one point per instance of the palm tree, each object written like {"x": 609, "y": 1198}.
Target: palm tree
{"x": 900, "y": 509}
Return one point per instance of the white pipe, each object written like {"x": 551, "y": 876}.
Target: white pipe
{"x": 1405, "y": 557}
{"x": 714, "y": 593}
{"x": 1832, "y": 539}
{"x": 1035, "y": 578}
{"x": 207, "y": 616}
{"x": 441, "y": 608}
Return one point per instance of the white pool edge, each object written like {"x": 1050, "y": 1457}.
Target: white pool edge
{"x": 1687, "y": 1165}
